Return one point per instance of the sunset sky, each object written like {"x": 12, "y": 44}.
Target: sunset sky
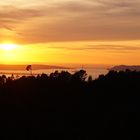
{"x": 70, "y": 31}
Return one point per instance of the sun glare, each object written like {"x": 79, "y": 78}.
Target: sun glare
{"x": 8, "y": 47}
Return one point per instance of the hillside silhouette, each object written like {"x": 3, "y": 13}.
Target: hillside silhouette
{"x": 125, "y": 67}
{"x": 70, "y": 106}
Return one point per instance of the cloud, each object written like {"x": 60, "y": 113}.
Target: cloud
{"x": 122, "y": 8}
{"x": 117, "y": 48}
{"x": 98, "y": 47}
{"x": 79, "y": 20}
{"x": 13, "y": 16}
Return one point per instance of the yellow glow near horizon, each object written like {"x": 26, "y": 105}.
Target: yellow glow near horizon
{"x": 8, "y": 47}
{"x": 87, "y": 52}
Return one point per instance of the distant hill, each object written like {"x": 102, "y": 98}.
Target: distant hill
{"x": 34, "y": 67}
{"x": 125, "y": 67}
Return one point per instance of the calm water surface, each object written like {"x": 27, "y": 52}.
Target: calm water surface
{"x": 94, "y": 72}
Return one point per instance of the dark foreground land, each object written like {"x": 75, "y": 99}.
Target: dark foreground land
{"x": 65, "y": 106}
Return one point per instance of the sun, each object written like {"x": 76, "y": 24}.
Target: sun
{"x": 8, "y": 47}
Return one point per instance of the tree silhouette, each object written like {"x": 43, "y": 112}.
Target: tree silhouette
{"x": 80, "y": 75}
{"x": 51, "y": 105}
{"x": 29, "y": 68}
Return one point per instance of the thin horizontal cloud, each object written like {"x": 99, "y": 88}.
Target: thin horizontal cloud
{"x": 102, "y": 47}
{"x": 114, "y": 47}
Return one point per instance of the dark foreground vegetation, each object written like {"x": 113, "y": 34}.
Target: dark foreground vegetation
{"x": 66, "y": 106}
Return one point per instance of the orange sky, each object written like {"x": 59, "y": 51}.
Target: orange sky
{"x": 59, "y": 31}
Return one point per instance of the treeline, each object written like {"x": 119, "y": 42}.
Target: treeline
{"x": 70, "y": 106}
